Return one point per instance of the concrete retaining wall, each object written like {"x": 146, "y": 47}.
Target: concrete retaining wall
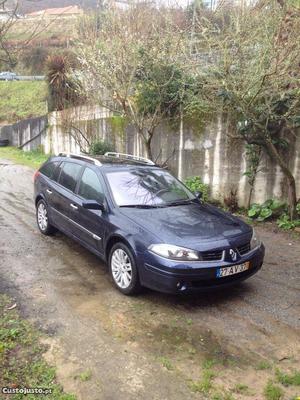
{"x": 212, "y": 153}
{"x": 23, "y": 131}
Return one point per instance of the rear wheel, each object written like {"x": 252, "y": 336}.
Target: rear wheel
{"x": 123, "y": 270}
{"x": 43, "y": 219}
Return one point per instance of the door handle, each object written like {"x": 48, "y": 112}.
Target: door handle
{"x": 74, "y": 207}
{"x": 49, "y": 191}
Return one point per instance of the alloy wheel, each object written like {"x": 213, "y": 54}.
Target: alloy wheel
{"x": 121, "y": 268}
{"x": 42, "y": 217}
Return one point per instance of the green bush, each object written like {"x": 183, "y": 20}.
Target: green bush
{"x": 100, "y": 147}
{"x": 269, "y": 209}
{"x": 285, "y": 223}
{"x": 195, "y": 184}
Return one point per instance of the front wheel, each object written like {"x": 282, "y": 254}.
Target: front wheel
{"x": 43, "y": 219}
{"x": 123, "y": 270}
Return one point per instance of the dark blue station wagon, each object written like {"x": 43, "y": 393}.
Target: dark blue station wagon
{"x": 150, "y": 229}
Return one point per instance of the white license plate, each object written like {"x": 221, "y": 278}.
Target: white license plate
{"x": 235, "y": 269}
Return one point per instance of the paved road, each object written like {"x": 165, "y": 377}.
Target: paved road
{"x": 151, "y": 346}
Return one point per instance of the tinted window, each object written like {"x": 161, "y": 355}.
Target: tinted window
{"x": 57, "y": 172}
{"x": 49, "y": 168}
{"x": 90, "y": 187}
{"x": 69, "y": 175}
{"x": 147, "y": 186}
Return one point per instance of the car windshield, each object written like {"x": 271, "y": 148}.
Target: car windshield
{"x": 147, "y": 187}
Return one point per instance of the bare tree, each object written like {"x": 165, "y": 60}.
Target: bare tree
{"x": 130, "y": 64}
{"x": 5, "y": 26}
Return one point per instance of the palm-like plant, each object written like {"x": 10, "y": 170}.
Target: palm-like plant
{"x": 62, "y": 89}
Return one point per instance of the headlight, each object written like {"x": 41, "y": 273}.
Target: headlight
{"x": 255, "y": 241}
{"x": 174, "y": 252}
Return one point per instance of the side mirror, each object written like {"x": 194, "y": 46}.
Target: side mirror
{"x": 93, "y": 205}
{"x": 198, "y": 195}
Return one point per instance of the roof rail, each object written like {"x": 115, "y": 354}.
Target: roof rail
{"x": 129, "y": 157}
{"x": 81, "y": 157}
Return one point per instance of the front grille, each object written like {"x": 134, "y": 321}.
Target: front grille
{"x": 244, "y": 249}
{"x": 212, "y": 255}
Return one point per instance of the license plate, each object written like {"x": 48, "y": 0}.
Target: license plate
{"x": 235, "y": 269}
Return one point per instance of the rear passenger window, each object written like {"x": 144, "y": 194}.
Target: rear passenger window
{"x": 49, "y": 168}
{"x": 90, "y": 187}
{"x": 69, "y": 175}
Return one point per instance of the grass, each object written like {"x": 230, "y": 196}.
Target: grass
{"x": 222, "y": 396}
{"x": 166, "y": 363}
{"x": 263, "y": 365}
{"x": 31, "y": 159}
{"x": 240, "y": 388}
{"x": 21, "y": 100}
{"x": 288, "y": 379}
{"x": 205, "y": 384}
{"x": 85, "y": 376}
{"x": 272, "y": 392}
{"x": 43, "y": 28}
{"x": 21, "y": 356}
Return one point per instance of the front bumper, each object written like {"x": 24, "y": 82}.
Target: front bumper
{"x": 179, "y": 277}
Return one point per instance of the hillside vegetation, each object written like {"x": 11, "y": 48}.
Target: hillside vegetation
{"x": 26, "y": 6}
{"x": 20, "y": 100}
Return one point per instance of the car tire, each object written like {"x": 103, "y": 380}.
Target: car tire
{"x": 4, "y": 142}
{"x": 42, "y": 219}
{"x": 123, "y": 270}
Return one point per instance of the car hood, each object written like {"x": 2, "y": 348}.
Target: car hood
{"x": 189, "y": 224}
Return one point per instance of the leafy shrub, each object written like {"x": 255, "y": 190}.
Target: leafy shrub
{"x": 298, "y": 208}
{"x": 270, "y": 208}
{"x": 195, "y": 184}
{"x": 64, "y": 90}
{"x": 285, "y": 223}
{"x": 101, "y": 147}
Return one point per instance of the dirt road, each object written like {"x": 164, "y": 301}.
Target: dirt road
{"x": 152, "y": 346}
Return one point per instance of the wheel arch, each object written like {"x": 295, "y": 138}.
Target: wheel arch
{"x": 38, "y": 198}
{"x": 117, "y": 239}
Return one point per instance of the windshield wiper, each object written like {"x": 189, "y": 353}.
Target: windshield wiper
{"x": 181, "y": 202}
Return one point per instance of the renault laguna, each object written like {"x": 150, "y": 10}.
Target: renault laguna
{"x": 149, "y": 228}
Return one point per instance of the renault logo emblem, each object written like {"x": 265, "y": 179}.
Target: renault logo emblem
{"x": 233, "y": 254}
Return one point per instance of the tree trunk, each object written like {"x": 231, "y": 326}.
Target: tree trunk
{"x": 148, "y": 148}
{"x": 292, "y": 195}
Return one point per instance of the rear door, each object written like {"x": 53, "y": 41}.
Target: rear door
{"x": 89, "y": 225}
{"x": 47, "y": 171}
{"x": 62, "y": 196}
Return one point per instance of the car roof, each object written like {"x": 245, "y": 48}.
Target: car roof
{"x": 107, "y": 162}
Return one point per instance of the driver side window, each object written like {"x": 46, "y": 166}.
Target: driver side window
{"x": 90, "y": 187}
